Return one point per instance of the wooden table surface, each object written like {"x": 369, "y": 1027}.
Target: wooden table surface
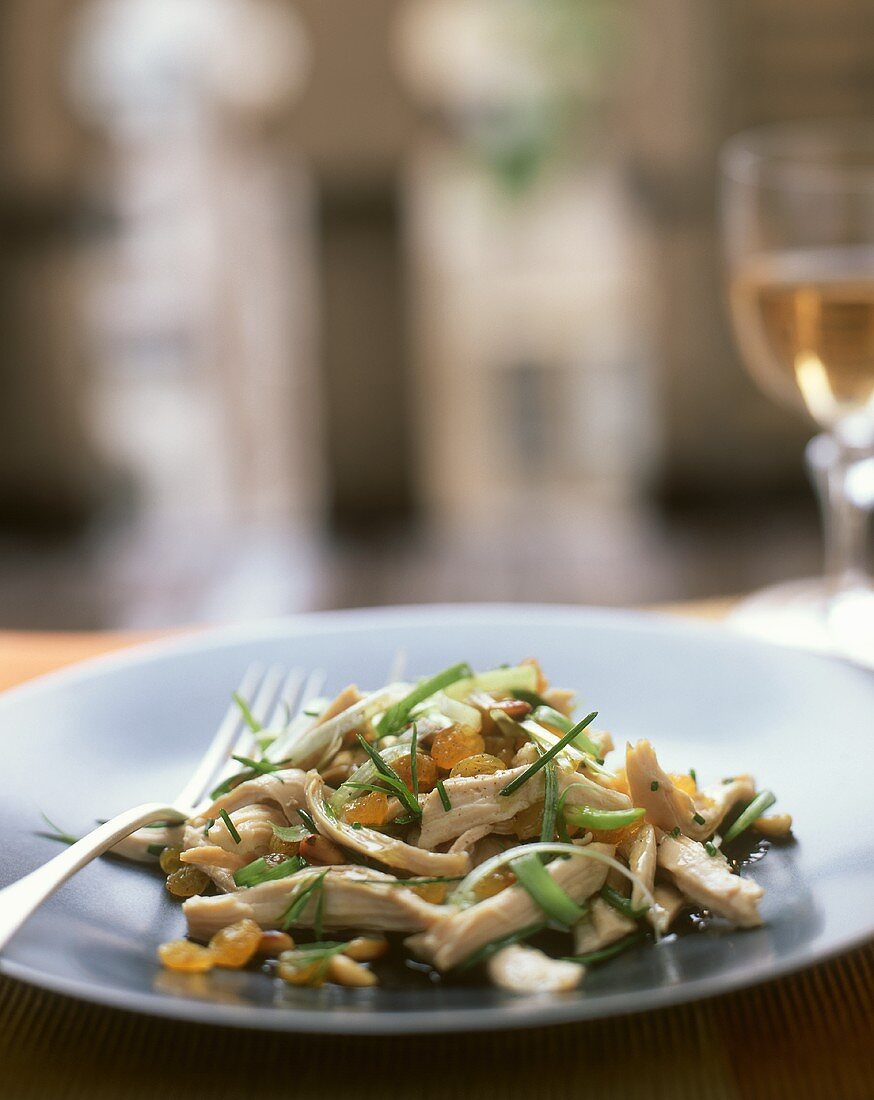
{"x": 809, "y": 1035}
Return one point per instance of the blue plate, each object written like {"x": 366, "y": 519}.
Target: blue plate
{"x": 85, "y": 743}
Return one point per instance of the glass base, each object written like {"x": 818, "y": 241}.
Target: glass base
{"x": 806, "y": 615}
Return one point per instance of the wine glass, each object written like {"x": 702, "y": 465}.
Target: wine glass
{"x": 797, "y": 204}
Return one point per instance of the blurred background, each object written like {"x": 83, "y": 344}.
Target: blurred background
{"x": 321, "y": 303}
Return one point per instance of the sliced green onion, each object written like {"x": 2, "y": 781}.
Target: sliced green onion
{"x": 711, "y": 849}
{"x": 308, "y": 821}
{"x": 151, "y": 849}
{"x": 318, "y": 926}
{"x": 530, "y": 697}
{"x": 559, "y": 721}
{"x": 587, "y": 818}
{"x": 397, "y": 715}
{"x": 260, "y": 766}
{"x": 654, "y": 786}
{"x": 232, "y": 781}
{"x": 444, "y": 797}
{"x": 412, "y": 881}
{"x": 291, "y": 833}
{"x": 484, "y": 953}
{"x": 223, "y": 814}
{"x": 545, "y": 891}
{"x": 318, "y": 947}
{"x": 534, "y": 768}
{"x": 501, "y": 680}
{"x": 694, "y": 776}
{"x": 366, "y": 773}
{"x": 763, "y": 801}
{"x": 414, "y": 762}
{"x": 259, "y": 870}
{"x": 248, "y": 717}
{"x": 550, "y": 802}
{"x": 391, "y": 777}
{"x": 591, "y": 957}
{"x": 59, "y": 834}
{"x": 577, "y": 752}
{"x": 465, "y": 896}
{"x": 698, "y": 819}
{"x": 622, "y": 904}
{"x": 300, "y": 899}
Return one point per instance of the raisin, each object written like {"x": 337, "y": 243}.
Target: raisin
{"x": 500, "y": 746}
{"x": 187, "y": 957}
{"x": 435, "y": 892}
{"x": 528, "y": 822}
{"x": 454, "y": 744}
{"x": 284, "y": 847}
{"x": 482, "y": 763}
{"x": 169, "y": 859}
{"x": 426, "y": 771}
{"x": 187, "y": 881}
{"x": 235, "y": 945}
{"x": 494, "y": 883}
{"x": 369, "y": 809}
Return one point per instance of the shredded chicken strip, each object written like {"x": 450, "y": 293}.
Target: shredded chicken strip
{"x": 708, "y": 880}
{"x": 284, "y": 789}
{"x": 669, "y": 903}
{"x": 458, "y": 934}
{"x": 526, "y": 970}
{"x": 477, "y": 801}
{"x": 603, "y": 926}
{"x": 353, "y": 897}
{"x": 667, "y": 807}
{"x": 640, "y": 852}
{"x": 378, "y": 846}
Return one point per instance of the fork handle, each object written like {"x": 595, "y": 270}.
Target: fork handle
{"x": 21, "y": 898}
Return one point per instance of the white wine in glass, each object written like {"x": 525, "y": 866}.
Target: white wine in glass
{"x": 798, "y": 228}
{"x": 805, "y": 324}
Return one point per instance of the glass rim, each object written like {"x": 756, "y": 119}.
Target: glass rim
{"x": 802, "y": 155}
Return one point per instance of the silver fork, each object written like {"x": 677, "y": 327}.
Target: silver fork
{"x": 269, "y": 693}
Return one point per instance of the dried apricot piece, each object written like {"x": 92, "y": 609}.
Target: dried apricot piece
{"x": 481, "y": 763}
{"x": 370, "y": 809}
{"x": 185, "y": 956}
{"x": 187, "y": 881}
{"x": 234, "y": 946}
{"x": 454, "y": 744}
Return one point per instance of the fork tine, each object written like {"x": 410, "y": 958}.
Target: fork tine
{"x": 288, "y": 696}
{"x": 216, "y": 755}
{"x": 260, "y": 707}
{"x": 314, "y": 684}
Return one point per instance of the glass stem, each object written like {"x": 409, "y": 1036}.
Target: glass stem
{"x": 844, "y": 482}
